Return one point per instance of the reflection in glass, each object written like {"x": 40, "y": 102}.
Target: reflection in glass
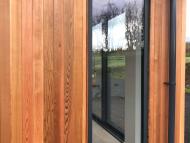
{"x": 187, "y": 79}
{"x": 117, "y": 38}
{"x": 97, "y": 69}
{"x": 187, "y": 89}
{"x": 116, "y": 71}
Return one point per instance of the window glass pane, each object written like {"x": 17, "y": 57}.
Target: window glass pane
{"x": 117, "y": 45}
{"x": 187, "y": 79}
{"x": 116, "y": 71}
{"x": 97, "y": 41}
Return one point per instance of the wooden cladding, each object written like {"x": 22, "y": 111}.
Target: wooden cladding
{"x": 180, "y": 71}
{"x": 5, "y": 111}
{"x": 159, "y": 57}
{"x": 43, "y": 89}
{"x": 43, "y": 71}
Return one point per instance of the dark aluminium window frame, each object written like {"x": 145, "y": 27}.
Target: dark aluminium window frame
{"x": 145, "y": 78}
{"x": 172, "y": 72}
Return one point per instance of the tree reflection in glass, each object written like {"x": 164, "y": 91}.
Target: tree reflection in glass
{"x": 187, "y": 78}
{"x": 118, "y": 30}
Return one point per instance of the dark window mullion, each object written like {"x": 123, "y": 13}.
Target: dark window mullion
{"x": 104, "y": 73}
{"x": 104, "y": 86}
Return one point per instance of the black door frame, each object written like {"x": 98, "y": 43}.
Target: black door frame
{"x": 172, "y": 72}
{"x": 145, "y": 79}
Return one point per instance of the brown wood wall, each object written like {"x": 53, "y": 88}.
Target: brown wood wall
{"x": 43, "y": 71}
{"x": 180, "y": 71}
{"x": 5, "y": 106}
{"x": 159, "y": 57}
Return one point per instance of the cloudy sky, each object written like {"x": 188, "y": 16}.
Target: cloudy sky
{"x": 99, "y": 4}
{"x": 188, "y": 21}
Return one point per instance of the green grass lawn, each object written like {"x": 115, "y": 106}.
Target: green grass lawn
{"x": 187, "y": 90}
{"x": 187, "y": 59}
{"x": 116, "y": 64}
{"x": 114, "y": 61}
{"x": 188, "y": 54}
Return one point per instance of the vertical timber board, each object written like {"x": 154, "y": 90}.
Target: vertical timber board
{"x": 164, "y": 75}
{"x": 58, "y": 68}
{"x": 5, "y": 105}
{"x": 158, "y": 92}
{"x": 75, "y": 71}
{"x": 15, "y": 71}
{"x": 27, "y": 71}
{"x": 49, "y": 87}
{"x": 38, "y": 75}
{"x": 180, "y": 71}
{"x": 77, "y": 101}
{"x": 85, "y": 71}
{"x": 43, "y": 84}
{"x": 68, "y": 41}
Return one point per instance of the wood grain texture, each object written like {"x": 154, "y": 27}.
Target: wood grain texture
{"x": 49, "y": 87}
{"x": 68, "y": 36}
{"x": 180, "y": 71}
{"x": 38, "y": 70}
{"x": 5, "y": 98}
{"x": 58, "y": 69}
{"x": 43, "y": 84}
{"x": 85, "y": 71}
{"x": 158, "y": 91}
{"x": 44, "y": 81}
{"x": 75, "y": 89}
{"x": 15, "y": 70}
{"x": 27, "y": 72}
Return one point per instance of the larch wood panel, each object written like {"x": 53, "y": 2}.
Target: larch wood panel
{"x": 75, "y": 71}
{"x": 38, "y": 65}
{"x": 78, "y": 83}
{"x": 5, "y": 98}
{"x": 158, "y": 93}
{"x": 85, "y": 71}
{"x": 49, "y": 87}
{"x": 164, "y": 64}
{"x": 43, "y": 86}
{"x": 80, "y": 59}
{"x": 27, "y": 72}
{"x": 58, "y": 68}
{"x": 180, "y": 71}
{"x": 68, "y": 36}
{"x": 15, "y": 65}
